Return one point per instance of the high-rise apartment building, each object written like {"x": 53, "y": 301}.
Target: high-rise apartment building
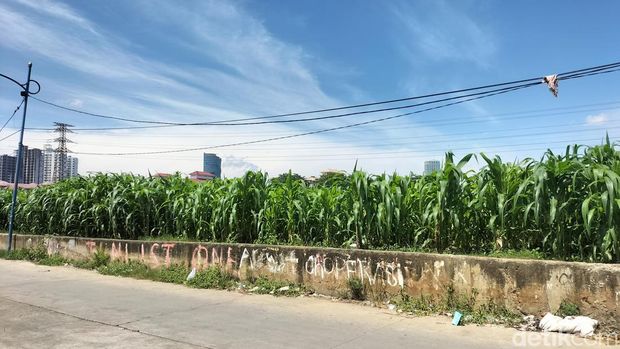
{"x": 59, "y": 166}
{"x": 431, "y": 166}
{"x": 7, "y": 168}
{"x": 48, "y": 163}
{"x": 32, "y": 165}
{"x": 72, "y": 166}
{"x": 213, "y": 164}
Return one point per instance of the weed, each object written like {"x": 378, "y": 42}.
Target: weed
{"x": 31, "y": 254}
{"x": 212, "y": 277}
{"x": 465, "y": 303}
{"x": 356, "y": 287}
{"x": 34, "y": 254}
{"x": 423, "y": 305}
{"x": 520, "y": 254}
{"x": 175, "y": 274}
{"x": 132, "y": 268}
{"x": 262, "y": 285}
{"x": 568, "y": 309}
{"x": 460, "y": 302}
{"x": 82, "y": 263}
{"x": 100, "y": 258}
{"x": 53, "y": 260}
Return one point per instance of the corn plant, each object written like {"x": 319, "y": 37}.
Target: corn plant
{"x": 564, "y": 206}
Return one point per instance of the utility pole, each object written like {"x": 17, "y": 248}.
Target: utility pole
{"x": 60, "y": 163}
{"x": 18, "y": 166}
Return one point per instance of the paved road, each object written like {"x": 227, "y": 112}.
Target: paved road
{"x": 63, "y": 307}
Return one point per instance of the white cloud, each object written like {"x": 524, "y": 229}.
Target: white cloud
{"x": 59, "y": 11}
{"x": 240, "y": 68}
{"x": 598, "y": 119}
{"x": 263, "y": 75}
{"x": 233, "y": 166}
{"x": 440, "y": 32}
{"x": 76, "y": 103}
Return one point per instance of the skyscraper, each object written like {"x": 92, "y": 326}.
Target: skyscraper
{"x": 431, "y": 166}
{"x": 72, "y": 166}
{"x": 213, "y": 164}
{"x": 32, "y": 165}
{"x": 48, "y": 163}
{"x": 7, "y": 167}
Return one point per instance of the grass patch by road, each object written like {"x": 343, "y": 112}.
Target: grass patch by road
{"x": 217, "y": 278}
{"x": 487, "y": 313}
{"x": 209, "y": 278}
{"x": 37, "y": 255}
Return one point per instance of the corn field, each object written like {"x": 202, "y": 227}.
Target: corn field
{"x": 565, "y": 206}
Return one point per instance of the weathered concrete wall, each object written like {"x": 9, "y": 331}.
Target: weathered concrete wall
{"x": 532, "y": 287}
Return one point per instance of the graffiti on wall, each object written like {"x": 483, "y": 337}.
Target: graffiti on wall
{"x": 271, "y": 260}
{"x": 367, "y": 270}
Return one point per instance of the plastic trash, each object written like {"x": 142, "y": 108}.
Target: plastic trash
{"x": 456, "y": 320}
{"x": 529, "y": 323}
{"x": 192, "y": 274}
{"x": 583, "y": 325}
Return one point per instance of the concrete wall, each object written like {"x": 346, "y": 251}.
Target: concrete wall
{"x": 532, "y": 287}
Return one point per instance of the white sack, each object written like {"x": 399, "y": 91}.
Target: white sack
{"x": 571, "y": 324}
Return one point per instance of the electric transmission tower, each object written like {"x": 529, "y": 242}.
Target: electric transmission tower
{"x": 60, "y": 161}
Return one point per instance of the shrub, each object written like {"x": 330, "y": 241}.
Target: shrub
{"x": 568, "y": 309}
{"x": 356, "y": 287}
{"x": 212, "y": 277}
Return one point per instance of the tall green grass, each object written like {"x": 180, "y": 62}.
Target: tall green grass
{"x": 565, "y": 206}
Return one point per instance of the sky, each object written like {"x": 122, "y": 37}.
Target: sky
{"x": 200, "y": 61}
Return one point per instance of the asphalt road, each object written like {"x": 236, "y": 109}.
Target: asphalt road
{"x": 63, "y": 307}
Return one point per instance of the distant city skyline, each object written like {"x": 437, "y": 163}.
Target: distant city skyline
{"x": 38, "y": 165}
{"x": 200, "y": 61}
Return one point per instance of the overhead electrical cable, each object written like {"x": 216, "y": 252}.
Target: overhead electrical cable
{"x": 12, "y": 115}
{"x": 385, "y": 155}
{"x": 511, "y": 147}
{"x": 502, "y": 91}
{"x": 237, "y": 122}
{"x": 519, "y": 114}
{"x": 9, "y": 136}
{"x": 396, "y": 151}
{"x": 325, "y": 117}
{"x": 435, "y": 139}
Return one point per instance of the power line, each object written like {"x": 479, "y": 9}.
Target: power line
{"x": 416, "y": 151}
{"x": 13, "y": 115}
{"x": 435, "y": 139}
{"x": 236, "y": 122}
{"x": 9, "y": 136}
{"x": 510, "y": 147}
{"x": 402, "y": 154}
{"x": 317, "y": 131}
{"x": 326, "y": 117}
{"x": 517, "y": 115}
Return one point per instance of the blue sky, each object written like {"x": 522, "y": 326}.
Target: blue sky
{"x": 213, "y": 60}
